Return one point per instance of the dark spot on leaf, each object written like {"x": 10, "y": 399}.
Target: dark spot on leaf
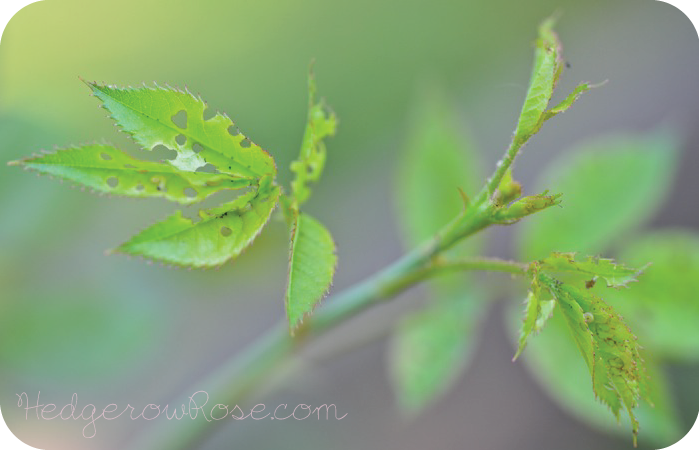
{"x": 105, "y": 156}
{"x": 180, "y": 119}
{"x": 225, "y": 231}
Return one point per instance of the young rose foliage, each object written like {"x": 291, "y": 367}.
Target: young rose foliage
{"x": 176, "y": 119}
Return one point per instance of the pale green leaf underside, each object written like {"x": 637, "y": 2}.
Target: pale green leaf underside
{"x": 312, "y": 262}
{"x": 537, "y": 311}
{"x": 615, "y": 275}
{"x": 150, "y": 114}
{"x": 428, "y": 352}
{"x": 221, "y": 233}
{"x": 321, "y": 123}
{"x": 106, "y": 169}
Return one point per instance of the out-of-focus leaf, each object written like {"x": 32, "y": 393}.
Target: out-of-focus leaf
{"x": 663, "y": 306}
{"x": 312, "y": 262}
{"x": 615, "y": 275}
{"x": 175, "y": 119}
{"x": 556, "y": 364}
{"x": 221, "y": 233}
{"x": 609, "y": 187}
{"x": 437, "y": 162}
{"x": 428, "y": 352}
{"x": 437, "y": 171}
{"x": 106, "y": 169}
{"x": 320, "y": 123}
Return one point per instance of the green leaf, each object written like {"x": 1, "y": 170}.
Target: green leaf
{"x": 568, "y": 101}
{"x": 312, "y": 262}
{"x": 615, "y": 275}
{"x": 106, "y": 169}
{"x": 611, "y": 186}
{"x": 555, "y": 363}
{"x": 428, "y": 352}
{"x": 609, "y": 348}
{"x": 438, "y": 160}
{"x": 538, "y": 311}
{"x": 526, "y": 206}
{"x": 321, "y": 123}
{"x": 663, "y": 306}
{"x": 546, "y": 70}
{"x": 175, "y": 119}
{"x": 221, "y": 233}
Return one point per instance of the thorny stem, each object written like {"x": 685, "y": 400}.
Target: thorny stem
{"x": 250, "y": 368}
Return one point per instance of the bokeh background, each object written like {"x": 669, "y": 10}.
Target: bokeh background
{"x": 120, "y": 331}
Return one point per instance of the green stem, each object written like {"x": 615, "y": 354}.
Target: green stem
{"x": 234, "y": 380}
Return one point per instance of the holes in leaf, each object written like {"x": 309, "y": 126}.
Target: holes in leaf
{"x": 180, "y": 119}
{"x": 161, "y": 152}
{"x": 139, "y": 187}
{"x": 105, "y": 156}
{"x": 208, "y": 114}
{"x": 181, "y": 139}
{"x": 197, "y": 147}
{"x": 129, "y": 166}
{"x": 225, "y": 231}
{"x": 233, "y": 130}
{"x": 208, "y": 168}
{"x": 190, "y": 192}
{"x": 112, "y": 182}
{"x": 245, "y": 143}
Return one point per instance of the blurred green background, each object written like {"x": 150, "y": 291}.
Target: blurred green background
{"x": 120, "y": 331}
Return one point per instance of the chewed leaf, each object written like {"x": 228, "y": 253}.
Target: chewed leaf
{"x": 617, "y": 369}
{"x": 175, "y": 119}
{"x": 222, "y": 233}
{"x": 312, "y": 262}
{"x": 537, "y": 312}
{"x": 321, "y": 123}
{"x": 616, "y": 275}
{"x": 106, "y": 169}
